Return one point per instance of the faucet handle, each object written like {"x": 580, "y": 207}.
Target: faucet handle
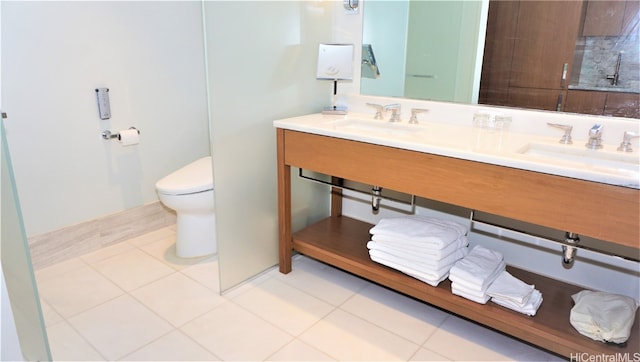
{"x": 566, "y": 137}
{"x": 625, "y": 145}
{"x": 414, "y": 114}
{"x": 379, "y": 109}
{"x": 395, "y": 111}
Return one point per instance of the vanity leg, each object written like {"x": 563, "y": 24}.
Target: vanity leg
{"x": 284, "y": 207}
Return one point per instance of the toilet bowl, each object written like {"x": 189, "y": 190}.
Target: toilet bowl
{"x": 189, "y": 191}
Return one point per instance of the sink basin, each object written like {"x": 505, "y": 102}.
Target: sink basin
{"x": 378, "y": 128}
{"x": 617, "y": 163}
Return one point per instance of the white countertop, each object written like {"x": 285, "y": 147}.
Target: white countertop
{"x": 527, "y": 151}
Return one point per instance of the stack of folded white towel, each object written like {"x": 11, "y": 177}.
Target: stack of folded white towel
{"x": 472, "y": 276}
{"x": 511, "y": 292}
{"x": 422, "y": 247}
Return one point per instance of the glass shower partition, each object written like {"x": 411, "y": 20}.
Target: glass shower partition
{"x": 17, "y": 268}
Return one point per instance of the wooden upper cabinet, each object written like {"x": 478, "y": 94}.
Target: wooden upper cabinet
{"x": 546, "y": 39}
{"x": 502, "y": 20}
{"x": 533, "y": 98}
{"x": 631, "y": 19}
{"x": 611, "y": 18}
{"x": 603, "y": 18}
{"x": 585, "y": 102}
{"x": 615, "y": 104}
{"x": 623, "y": 105}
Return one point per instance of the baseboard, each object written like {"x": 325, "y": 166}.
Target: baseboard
{"x": 68, "y": 242}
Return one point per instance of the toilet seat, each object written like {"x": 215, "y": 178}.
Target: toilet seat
{"x": 190, "y": 179}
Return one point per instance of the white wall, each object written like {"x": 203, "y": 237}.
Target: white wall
{"x": 149, "y": 54}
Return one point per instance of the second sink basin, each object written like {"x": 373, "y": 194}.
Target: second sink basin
{"x": 617, "y": 163}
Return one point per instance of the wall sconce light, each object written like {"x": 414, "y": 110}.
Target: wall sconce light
{"x": 335, "y": 62}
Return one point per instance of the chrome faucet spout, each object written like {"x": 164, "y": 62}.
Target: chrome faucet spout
{"x": 595, "y": 137}
{"x": 395, "y": 112}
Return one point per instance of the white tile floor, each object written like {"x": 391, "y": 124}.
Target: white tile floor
{"x": 137, "y": 301}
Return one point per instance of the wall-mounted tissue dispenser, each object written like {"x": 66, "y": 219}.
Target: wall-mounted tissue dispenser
{"x": 104, "y": 107}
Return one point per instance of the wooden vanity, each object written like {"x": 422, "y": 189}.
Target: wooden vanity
{"x": 602, "y": 211}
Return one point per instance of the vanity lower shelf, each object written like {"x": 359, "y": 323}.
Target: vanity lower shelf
{"x": 341, "y": 241}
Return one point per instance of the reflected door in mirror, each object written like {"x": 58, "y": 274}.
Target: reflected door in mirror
{"x": 528, "y": 59}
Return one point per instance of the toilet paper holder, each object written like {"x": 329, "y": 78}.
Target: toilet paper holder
{"x": 108, "y": 135}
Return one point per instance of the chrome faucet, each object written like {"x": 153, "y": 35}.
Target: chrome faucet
{"x": 595, "y": 137}
{"x": 625, "y": 145}
{"x": 395, "y": 112}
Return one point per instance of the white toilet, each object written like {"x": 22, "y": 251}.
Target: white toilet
{"x": 189, "y": 191}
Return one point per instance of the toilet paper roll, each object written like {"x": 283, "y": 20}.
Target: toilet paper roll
{"x": 129, "y": 137}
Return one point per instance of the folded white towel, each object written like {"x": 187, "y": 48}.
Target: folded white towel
{"x": 478, "y": 269}
{"x": 419, "y": 247}
{"x": 417, "y": 229}
{"x": 530, "y": 307}
{"x": 419, "y": 257}
{"x": 461, "y": 229}
{"x": 429, "y": 278}
{"x": 473, "y": 285}
{"x": 434, "y": 271}
{"x": 507, "y": 287}
{"x": 475, "y": 296}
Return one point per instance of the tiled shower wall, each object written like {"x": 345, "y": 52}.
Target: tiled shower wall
{"x": 600, "y": 57}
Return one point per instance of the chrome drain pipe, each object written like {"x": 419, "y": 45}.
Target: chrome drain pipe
{"x": 376, "y": 191}
{"x": 569, "y": 249}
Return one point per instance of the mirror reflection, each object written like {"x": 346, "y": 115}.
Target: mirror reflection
{"x": 571, "y": 56}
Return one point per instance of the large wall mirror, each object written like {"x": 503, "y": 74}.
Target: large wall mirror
{"x": 571, "y": 56}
